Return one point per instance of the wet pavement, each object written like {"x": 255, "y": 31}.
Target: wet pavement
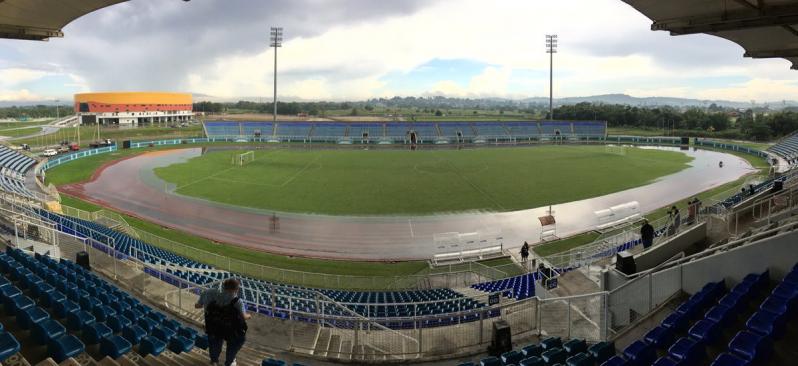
{"x": 130, "y": 186}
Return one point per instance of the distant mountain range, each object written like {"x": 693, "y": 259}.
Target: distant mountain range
{"x": 492, "y": 102}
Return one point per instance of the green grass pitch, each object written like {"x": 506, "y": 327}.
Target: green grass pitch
{"x": 396, "y": 182}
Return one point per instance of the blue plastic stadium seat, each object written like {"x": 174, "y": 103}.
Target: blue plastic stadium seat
{"x": 579, "y": 359}
{"x": 686, "y": 350}
{"x": 660, "y": 337}
{"x": 734, "y": 301}
{"x": 62, "y": 309}
{"x": 47, "y": 330}
{"x": 151, "y": 346}
{"x": 728, "y": 359}
{"x": 7, "y": 292}
{"x": 786, "y": 291}
{"x": 114, "y": 346}
{"x": 51, "y": 298}
{"x": 157, "y": 316}
{"x": 132, "y": 314}
{"x": 532, "y": 361}
{"x": 776, "y": 305}
{"x": 490, "y": 361}
{"x": 19, "y": 303}
{"x": 180, "y": 344}
{"x": 272, "y": 362}
{"x": 9, "y": 346}
{"x": 511, "y": 357}
{"x": 103, "y": 313}
{"x": 615, "y": 361}
{"x": 640, "y": 353}
{"x": 705, "y": 331}
{"x": 602, "y": 351}
{"x": 117, "y": 323}
{"x": 65, "y": 347}
{"x": 42, "y": 289}
{"x": 767, "y": 324}
{"x": 720, "y": 314}
{"x": 147, "y": 324}
{"x": 532, "y": 350}
{"x": 134, "y": 334}
{"x": 171, "y": 324}
{"x": 79, "y": 319}
{"x": 201, "y": 341}
{"x": 30, "y": 316}
{"x": 676, "y": 321}
{"x": 95, "y": 332}
{"x": 665, "y": 361}
{"x": 688, "y": 309}
{"x": 749, "y": 345}
{"x": 575, "y": 346}
{"x": 189, "y": 333}
{"x": 554, "y": 355}
{"x": 163, "y": 333}
{"x": 551, "y": 342}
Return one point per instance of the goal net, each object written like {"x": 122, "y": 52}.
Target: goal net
{"x": 243, "y": 158}
{"x": 615, "y": 149}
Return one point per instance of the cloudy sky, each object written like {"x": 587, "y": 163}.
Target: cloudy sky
{"x": 357, "y": 49}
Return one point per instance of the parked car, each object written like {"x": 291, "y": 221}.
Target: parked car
{"x": 49, "y": 152}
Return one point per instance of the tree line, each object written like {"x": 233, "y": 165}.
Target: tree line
{"x": 760, "y": 125}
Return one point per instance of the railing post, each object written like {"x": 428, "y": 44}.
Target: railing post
{"x": 569, "y": 317}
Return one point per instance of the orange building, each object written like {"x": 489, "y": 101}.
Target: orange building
{"x": 133, "y": 108}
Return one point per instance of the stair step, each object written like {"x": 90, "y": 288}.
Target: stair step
{"x": 334, "y": 349}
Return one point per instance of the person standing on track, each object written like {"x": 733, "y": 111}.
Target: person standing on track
{"x": 524, "y": 252}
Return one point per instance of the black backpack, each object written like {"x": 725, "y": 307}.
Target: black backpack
{"x": 225, "y": 322}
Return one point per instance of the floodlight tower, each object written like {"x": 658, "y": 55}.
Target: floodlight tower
{"x": 276, "y": 40}
{"x": 551, "y": 49}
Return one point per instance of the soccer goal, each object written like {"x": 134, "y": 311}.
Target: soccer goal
{"x": 615, "y": 149}
{"x": 243, "y": 158}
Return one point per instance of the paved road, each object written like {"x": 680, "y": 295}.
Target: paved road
{"x": 130, "y": 186}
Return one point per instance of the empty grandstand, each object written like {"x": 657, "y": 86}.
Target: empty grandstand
{"x": 408, "y": 133}
{"x": 787, "y": 148}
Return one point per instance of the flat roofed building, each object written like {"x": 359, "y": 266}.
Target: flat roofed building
{"x": 133, "y": 108}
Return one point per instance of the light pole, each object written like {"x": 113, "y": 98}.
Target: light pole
{"x": 276, "y": 42}
{"x": 551, "y": 49}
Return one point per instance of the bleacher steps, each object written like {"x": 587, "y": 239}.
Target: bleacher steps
{"x": 334, "y": 349}
{"x": 107, "y": 361}
{"x": 47, "y": 362}
{"x": 69, "y": 362}
{"x": 151, "y": 360}
{"x": 346, "y": 350}
{"x": 16, "y": 360}
{"x": 322, "y": 341}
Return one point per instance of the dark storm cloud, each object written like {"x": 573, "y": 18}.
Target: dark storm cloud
{"x": 154, "y": 44}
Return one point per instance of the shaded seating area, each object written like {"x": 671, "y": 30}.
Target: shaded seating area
{"x": 741, "y": 325}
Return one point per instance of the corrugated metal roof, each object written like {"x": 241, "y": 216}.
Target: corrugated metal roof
{"x": 42, "y": 19}
{"x": 764, "y": 28}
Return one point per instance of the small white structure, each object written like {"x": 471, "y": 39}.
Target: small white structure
{"x": 454, "y": 247}
{"x": 617, "y": 215}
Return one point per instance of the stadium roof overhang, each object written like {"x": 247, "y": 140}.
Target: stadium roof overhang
{"x": 41, "y": 19}
{"x": 764, "y": 28}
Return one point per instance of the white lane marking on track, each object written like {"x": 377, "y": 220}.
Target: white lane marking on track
{"x": 410, "y": 223}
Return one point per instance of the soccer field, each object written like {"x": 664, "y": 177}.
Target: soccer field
{"x": 391, "y": 182}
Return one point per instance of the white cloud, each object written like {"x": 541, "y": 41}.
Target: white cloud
{"x": 605, "y": 47}
{"x": 16, "y": 76}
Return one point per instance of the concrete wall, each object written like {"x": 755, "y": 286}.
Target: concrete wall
{"x": 778, "y": 253}
{"x": 658, "y": 254}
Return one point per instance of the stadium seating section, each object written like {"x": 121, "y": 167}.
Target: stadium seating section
{"x": 425, "y": 131}
{"x": 13, "y": 166}
{"x": 59, "y": 309}
{"x": 787, "y": 148}
{"x": 719, "y": 326}
{"x": 375, "y": 304}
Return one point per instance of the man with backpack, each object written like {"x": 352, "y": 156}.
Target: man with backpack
{"x": 225, "y": 321}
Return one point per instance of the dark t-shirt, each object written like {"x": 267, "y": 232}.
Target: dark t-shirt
{"x": 647, "y": 231}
